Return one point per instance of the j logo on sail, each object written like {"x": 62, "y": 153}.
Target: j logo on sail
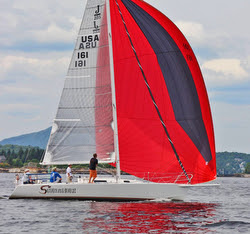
{"x": 97, "y": 14}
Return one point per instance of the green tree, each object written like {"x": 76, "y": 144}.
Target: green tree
{"x": 10, "y": 159}
{"x": 17, "y": 162}
{"x": 247, "y": 168}
{"x": 25, "y": 155}
{"x": 20, "y": 152}
{"x": 8, "y": 153}
{"x": 34, "y": 160}
{"x": 13, "y": 153}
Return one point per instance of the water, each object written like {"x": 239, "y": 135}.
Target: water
{"x": 224, "y": 209}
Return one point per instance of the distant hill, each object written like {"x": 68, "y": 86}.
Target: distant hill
{"x": 39, "y": 139}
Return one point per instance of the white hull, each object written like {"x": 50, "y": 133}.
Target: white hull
{"x": 99, "y": 191}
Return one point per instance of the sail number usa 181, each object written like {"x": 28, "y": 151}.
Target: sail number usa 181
{"x": 82, "y": 55}
{"x": 79, "y": 62}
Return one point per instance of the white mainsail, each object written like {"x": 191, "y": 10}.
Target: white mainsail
{"x": 84, "y": 117}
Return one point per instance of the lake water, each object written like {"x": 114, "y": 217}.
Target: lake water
{"x": 223, "y": 209}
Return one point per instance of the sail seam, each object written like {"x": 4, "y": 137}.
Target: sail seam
{"x": 151, "y": 94}
{"x": 86, "y": 126}
{"x": 82, "y": 107}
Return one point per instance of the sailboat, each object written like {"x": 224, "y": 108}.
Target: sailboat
{"x": 134, "y": 94}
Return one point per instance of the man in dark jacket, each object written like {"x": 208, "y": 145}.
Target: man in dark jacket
{"x": 92, "y": 168}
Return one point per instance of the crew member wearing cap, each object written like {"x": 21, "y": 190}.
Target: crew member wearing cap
{"x": 27, "y": 177}
{"x": 69, "y": 175}
{"x": 54, "y": 175}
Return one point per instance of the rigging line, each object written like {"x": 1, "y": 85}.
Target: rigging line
{"x": 151, "y": 94}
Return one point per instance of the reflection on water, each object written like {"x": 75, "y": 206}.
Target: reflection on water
{"x": 145, "y": 217}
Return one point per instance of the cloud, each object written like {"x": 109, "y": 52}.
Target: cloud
{"x": 192, "y": 30}
{"x": 207, "y": 41}
{"x": 225, "y": 71}
{"x": 218, "y": 65}
{"x": 10, "y": 90}
{"x": 226, "y": 67}
{"x": 31, "y": 67}
{"x": 18, "y": 107}
{"x": 9, "y": 63}
{"x": 54, "y": 33}
{"x": 38, "y": 22}
{"x": 31, "y": 85}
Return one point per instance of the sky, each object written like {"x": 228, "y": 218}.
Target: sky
{"x": 37, "y": 39}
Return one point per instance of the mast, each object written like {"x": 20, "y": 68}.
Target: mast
{"x": 118, "y": 172}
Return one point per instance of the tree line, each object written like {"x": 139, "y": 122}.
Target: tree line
{"x": 18, "y": 156}
{"x": 229, "y": 163}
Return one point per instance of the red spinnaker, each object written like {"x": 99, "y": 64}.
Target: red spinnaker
{"x": 177, "y": 86}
